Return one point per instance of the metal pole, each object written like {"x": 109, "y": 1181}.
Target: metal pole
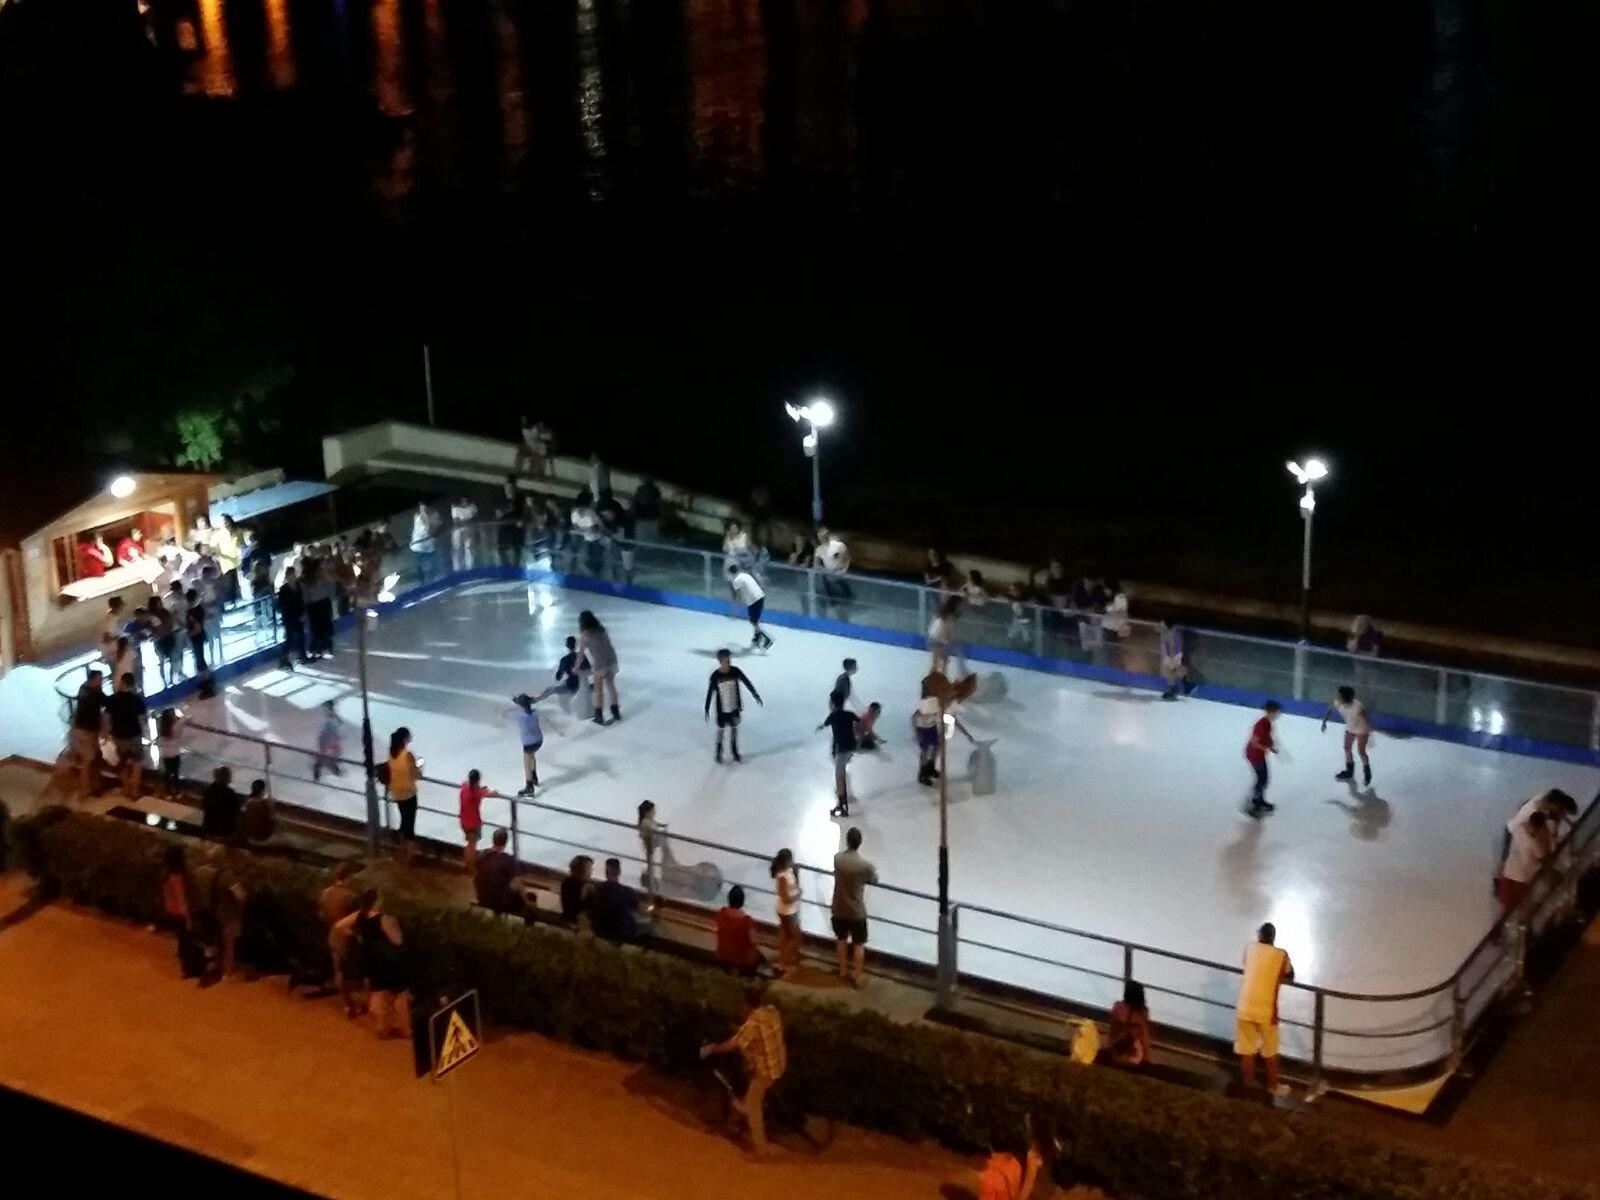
{"x": 427, "y": 378}
{"x": 516, "y": 842}
{"x": 366, "y": 735}
{"x": 1441, "y": 699}
{"x": 946, "y": 981}
{"x": 1305, "y": 577}
{"x": 1458, "y": 1025}
{"x": 1316, "y": 1043}
{"x": 816, "y": 475}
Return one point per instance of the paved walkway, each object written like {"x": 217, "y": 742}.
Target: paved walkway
{"x": 286, "y": 1087}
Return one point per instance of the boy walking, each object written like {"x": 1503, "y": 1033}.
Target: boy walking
{"x": 330, "y": 742}
{"x": 841, "y": 722}
{"x": 750, "y": 594}
{"x": 1260, "y": 745}
{"x": 724, "y": 687}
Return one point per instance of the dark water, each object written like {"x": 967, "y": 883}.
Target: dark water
{"x": 1080, "y": 274}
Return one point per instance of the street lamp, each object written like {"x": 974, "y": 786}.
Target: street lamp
{"x": 364, "y": 613}
{"x": 815, "y": 417}
{"x": 939, "y": 686}
{"x": 1308, "y": 475}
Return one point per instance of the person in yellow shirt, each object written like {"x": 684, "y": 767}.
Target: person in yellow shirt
{"x": 1266, "y": 969}
{"x": 404, "y": 772}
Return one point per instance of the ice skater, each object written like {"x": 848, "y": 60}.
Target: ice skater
{"x": 842, "y": 723}
{"x": 724, "y": 687}
{"x": 595, "y": 643}
{"x": 1357, "y": 729}
{"x": 330, "y": 742}
{"x": 1260, "y": 745}
{"x": 867, "y": 728}
{"x": 748, "y": 593}
{"x": 1174, "y": 667}
{"x": 842, "y": 684}
{"x": 569, "y": 678}
{"x": 926, "y": 728}
{"x": 531, "y": 733}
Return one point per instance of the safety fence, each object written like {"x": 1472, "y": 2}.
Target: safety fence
{"x": 1331, "y": 1030}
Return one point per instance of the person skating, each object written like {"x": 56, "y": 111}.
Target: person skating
{"x": 841, "y": 722}
{"x": 595, "y": 644}
{"x": 532, "y": 735}
{"x": 925, "y": 728}
{"x": 750, "y": 594}
{"x": 1357, "y": 730}
{"x": 1174, "y": 666}
{"x": 1256, "y": 750}
{"x": 723, "y": 687}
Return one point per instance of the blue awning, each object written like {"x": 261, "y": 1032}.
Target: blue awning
{"x": 249, "y": 505}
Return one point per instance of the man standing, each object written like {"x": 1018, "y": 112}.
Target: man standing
{"x": 1174, "y": 668}
{"x": 424, "y": 529}
{"x": 463, "y": 512}
{"x": 125, "y": 711}
{"x": 1530, "y": 846}
{"x": 759, "y": 1041}
{"x": 851, "y": 875}
{"x": 750, "y": 594}
{"x": 832, "y": 558}
{"x": 1260, "y": 745}
{"x": 508, "y": 524}
{"x": 88, "y": 720}
{"x": 647, "y": 511}
{"x": 292, "y": 610}
{"x": 723, "y": 687}
{"x": 1266, "y": 969}
{"x": 587, "y": 529}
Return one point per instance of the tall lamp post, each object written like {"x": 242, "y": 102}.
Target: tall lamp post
{"x": 940, "y": 687}
{"x": 1308, "y": 475}
{"x": 363, "y": 604}
{"x": 814, "y": 418}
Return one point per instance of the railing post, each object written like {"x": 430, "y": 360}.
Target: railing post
{"x": 922, "y": 611}
{"x": 266, "y": 764}
{"x": 1127, "y": 963}
{"x": 705, "y": 560}
{"x": 1318, "y": 1023}
{"x": 1458, "y": 1025}
{"x": 1441, "y": 698}
{"x": 1300, "y": 654}
{"x": 811, "y": 592}
{"x": 516, "y": 840}
{"x": 1038, "y": 631}
{"x": 1594, "y": 724}
{"x": 948, "y": 968}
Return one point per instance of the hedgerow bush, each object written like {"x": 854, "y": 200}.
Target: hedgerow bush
{"x": 1136, "y": 1137}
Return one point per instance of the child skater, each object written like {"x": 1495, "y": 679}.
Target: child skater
{"x": 748, "y": 593}
{"x": 532, "y": 737}
{"x": 925, "y": 726}
{"x": 842, "y": 723}
{"x": 1357, "y": 729}
{"x": 723, "y": 687}
{"x": 867, "y": 728}
{"x": 169, "y": 739}
{"x": 330, "y": 742}
{"x": 569, "y": 677}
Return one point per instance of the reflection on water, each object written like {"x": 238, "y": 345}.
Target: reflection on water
{"x": 728, "y": 69}
{"x": 280, "y": 57}
{"x": 213, "y": 73}
{"x": 389, "y": 57}
{"x": 591, "y": 92}
{"x": 513, "y": 106}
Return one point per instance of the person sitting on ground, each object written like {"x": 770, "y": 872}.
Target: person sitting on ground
{"x": 736, "y": 935}
{"x": 576, "y": 889}
{"x": 614, "y": 907}
{"x": 1130, "y": 1027}
{"x": 1365, "y": 638}
{"x": 495, "y": 881}
{"x": 867, "y": 728}
{"x": 259, "y": 817}
{"x": 220, "y": 806}
{"x": 759, "y": 1042}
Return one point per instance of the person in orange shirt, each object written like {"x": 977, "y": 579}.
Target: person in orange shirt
{"x": 1011, "y": 1170}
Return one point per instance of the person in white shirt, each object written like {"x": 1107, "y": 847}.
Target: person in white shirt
{"x": 424, "y": 528}
{"x": 832, "y": 558}
{"x": 1266, "y": 969}
{"x": 1531, "y": 843}
{"x": 942, "y": 636}
{"x": 462, "y": 513}
{"x": 112, "y": 626}
{"x": 1559, "y": 810}
{"x": 1357, "y": 730}
{"x": 1115, "y": 619}
{"x": 750, "y": 594}
{"x": 586, "y": 526}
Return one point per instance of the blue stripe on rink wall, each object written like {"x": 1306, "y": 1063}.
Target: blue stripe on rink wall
{"x": 996, "y": 655}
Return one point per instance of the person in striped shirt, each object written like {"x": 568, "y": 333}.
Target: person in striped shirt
{"x": 724, "y": 687}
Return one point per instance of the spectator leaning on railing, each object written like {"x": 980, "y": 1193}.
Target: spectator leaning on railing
{"x": 1365, "y": 638}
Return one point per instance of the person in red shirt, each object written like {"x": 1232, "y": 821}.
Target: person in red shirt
{"x": 1255, "y": 753}
{"x": 472, "y": 794}
{"x": 94, "y": 557}
{"x": 130, "y": 549}
{"x": 736, "y": 935}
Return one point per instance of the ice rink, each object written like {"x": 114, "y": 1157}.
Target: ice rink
{"x": 1116, "y": 813}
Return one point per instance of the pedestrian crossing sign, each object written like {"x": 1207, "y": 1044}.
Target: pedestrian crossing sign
{"x": 454, "y": 1033}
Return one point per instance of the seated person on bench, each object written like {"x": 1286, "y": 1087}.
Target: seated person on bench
{"x": 495, "y": 880}
{"x": 614, "y": 907}
{"x": 736, "y": 935}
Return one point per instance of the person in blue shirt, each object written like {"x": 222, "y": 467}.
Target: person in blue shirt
{"x": 532, "y": 734}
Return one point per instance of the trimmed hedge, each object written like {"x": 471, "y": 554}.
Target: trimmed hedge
{"x": 1136, "y": 1137}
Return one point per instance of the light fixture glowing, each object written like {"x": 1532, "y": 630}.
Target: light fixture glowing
{"x": 1313, "y": 470}
{"x": 123, "y": 486}
{"x": 821, "y": 414}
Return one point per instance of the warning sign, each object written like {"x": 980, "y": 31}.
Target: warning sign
{"x": 454, "y": 1034}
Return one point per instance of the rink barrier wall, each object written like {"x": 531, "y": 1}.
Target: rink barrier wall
{"x": 995, "y": 655}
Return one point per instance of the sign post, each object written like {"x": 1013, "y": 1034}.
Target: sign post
{"x": 455, "y": 1034}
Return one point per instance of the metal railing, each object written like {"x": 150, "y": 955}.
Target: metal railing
{"x": 1329, "y": 1029}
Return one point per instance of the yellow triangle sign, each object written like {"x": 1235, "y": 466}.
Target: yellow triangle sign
{"x": 459, "y": 1045}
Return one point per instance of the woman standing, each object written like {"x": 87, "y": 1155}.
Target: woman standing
{"x": 164, "y": 637}
{"x": 378, "y": 941}
{"x": 594, "y": 643}
{"x": 317, "y": 588}
{"x": 404, "y": 770}
{"x": 650, "y": 830}
{"x": 178, "y": 911}
{"x": 787, "y": 880}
